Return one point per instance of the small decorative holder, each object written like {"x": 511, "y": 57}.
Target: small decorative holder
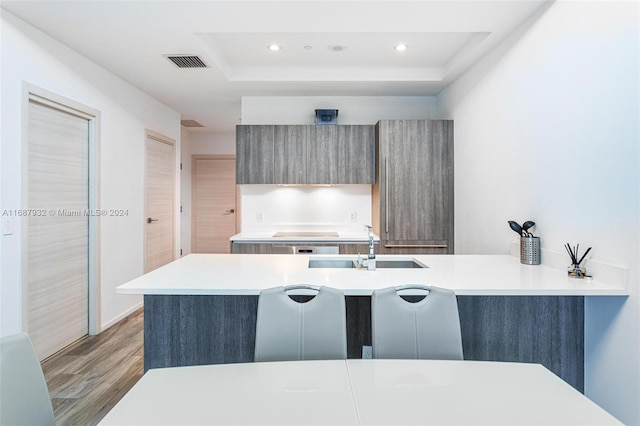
{"x": 530, "y": 250}
{"x": 576, "y": 271}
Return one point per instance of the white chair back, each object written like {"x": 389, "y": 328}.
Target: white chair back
{"x": 428, "y": 329}
{"x": 24, "y": 397}
{"x": 287, "y": 330}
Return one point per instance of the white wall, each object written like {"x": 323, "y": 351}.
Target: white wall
{"x": 213, "y": 143}
{"x": 305, "y": 207}
{"x": 547, "y": 129}
{"x": 351, "y": 109}
{"x": 194, "y": 143}
{"x": 328, "y": 208}
{"x": 29, "y": 55}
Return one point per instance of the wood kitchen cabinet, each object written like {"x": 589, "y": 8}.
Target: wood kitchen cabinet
{"x": 254, "y": 154}
{"x": 268, "y": 248}
{"x": 251, "y": 248}
{"x": 343, "y": 154}
{"x": 356, "y": 154}
{"x": 291, "y": 145}
{"x": 362, "y": 249}
{"x": 413, "y": 198}
{"x": 323, "y": 155}
{"x": 305, "y": 154}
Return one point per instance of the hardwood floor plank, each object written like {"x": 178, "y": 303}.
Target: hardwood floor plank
{"x": 87, "y": 378}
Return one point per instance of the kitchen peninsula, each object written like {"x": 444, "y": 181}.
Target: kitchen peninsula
{"x": 201, "y": 309}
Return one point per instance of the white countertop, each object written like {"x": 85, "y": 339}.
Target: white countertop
{"x": 268, "y": 237}
{"x": 248, "y": 274}
{"x": 355, "y": 392}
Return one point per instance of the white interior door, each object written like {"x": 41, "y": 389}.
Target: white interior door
{"x": 214, "y": 203}
{"x": 159, "y": 201}
{"x": 57, "y": 271}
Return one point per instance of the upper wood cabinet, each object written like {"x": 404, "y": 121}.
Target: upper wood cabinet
{"x": 323, "y": 155}
{"x": 305, "y": 154}
{"x": 356, "y": 154}
{"x": 413, "y": 200}
{"x": 254, "y": 154}
{"x": 291, "y": 145}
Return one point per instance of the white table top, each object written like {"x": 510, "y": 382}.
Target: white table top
{"x": 248, "y": 394}
{"x": 392, "y": 392}
{"x": 355, "y": 392}
{"x": 248, "y": 274}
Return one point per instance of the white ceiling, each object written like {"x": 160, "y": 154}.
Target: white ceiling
{"x": 131, "y": 39}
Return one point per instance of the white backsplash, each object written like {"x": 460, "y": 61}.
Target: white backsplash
{"x": 271, "y": 208}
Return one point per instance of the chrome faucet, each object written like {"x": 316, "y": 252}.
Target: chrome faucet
{"x": 371, "y": 260}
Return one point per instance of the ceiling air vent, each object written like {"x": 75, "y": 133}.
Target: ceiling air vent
{"x": 190, "y": 123}
{"x": 186, "y": 61}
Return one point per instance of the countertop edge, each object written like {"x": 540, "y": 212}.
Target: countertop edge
{"x": 501, "y": 275}
{"x": 367, "y": 292}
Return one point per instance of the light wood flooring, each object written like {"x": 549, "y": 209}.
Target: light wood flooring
{"x": 87, "y": 378}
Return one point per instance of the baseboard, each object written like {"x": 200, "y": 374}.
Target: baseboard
{"x": 121, "y": 316}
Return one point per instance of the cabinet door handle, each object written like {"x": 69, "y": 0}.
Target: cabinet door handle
{"x": 230, "y": 211}
{"x": 149, "y": 220}
{"x": 386, "y": 201}
{"x": 416, "y": 246}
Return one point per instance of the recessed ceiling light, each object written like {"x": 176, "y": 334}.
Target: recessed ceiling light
{"x": 401, "y": 47}
{"x": 274, "y": 47}
{"x": 336, "y": 47}
{"x": 308, "y": 48}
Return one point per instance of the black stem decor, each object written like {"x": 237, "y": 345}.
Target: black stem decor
{"x": 574, "y": 253}
{"x": 584, "y": 255}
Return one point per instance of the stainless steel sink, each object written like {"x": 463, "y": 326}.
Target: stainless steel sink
{"x": 331, "y": 263}
{"x": 407, "y": 264}
{"x": 380, "y": 264}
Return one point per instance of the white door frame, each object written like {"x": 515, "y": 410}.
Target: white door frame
{"x": 31, "y": 93}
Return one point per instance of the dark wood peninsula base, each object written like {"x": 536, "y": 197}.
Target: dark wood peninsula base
{"x": 206, "y": 329}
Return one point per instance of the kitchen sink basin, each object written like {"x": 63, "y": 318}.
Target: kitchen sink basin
{"x": 380, "y": 264}
{"x": 384, "y": 264}
{"x": 331, "y": 263}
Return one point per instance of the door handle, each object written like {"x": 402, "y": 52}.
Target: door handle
{"x": 230, "y": 211}
{"x": 415, "y": 246}
{"x": 149, "y": 220}
{"x": 386, "y": 195}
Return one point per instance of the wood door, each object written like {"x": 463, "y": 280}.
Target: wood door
{"x": 159, "y": 218}
{"x": 214, "y": 209}
{"x": 57, "y": 261}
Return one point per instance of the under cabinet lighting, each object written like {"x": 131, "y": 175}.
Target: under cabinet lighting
{"x": 305, "y": 184}
{"x": 274, "y": 47}
{"x": 401, "y": 47}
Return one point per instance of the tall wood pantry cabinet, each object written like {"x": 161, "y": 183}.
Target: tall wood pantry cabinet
{"x": 413, "y": 195}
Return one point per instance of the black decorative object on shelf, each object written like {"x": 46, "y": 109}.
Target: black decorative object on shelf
{"x": 326, "y": 116}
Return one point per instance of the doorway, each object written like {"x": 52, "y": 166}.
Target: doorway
{"x": 159, "y": 192}
{"x": 214, "y": 203}
{"x": 60, "y": 232}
